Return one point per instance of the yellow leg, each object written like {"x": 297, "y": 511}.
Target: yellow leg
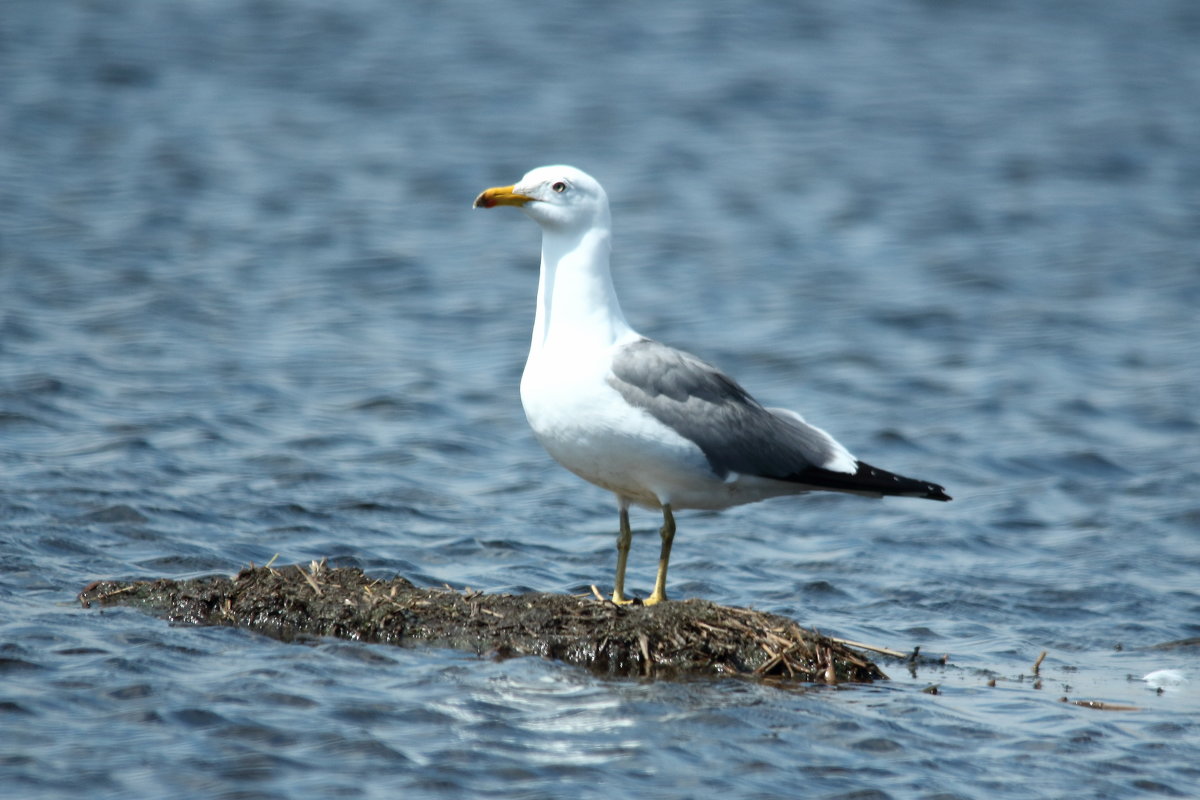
{"x": 667, "y": 532}
{"x": 623, "y": 540}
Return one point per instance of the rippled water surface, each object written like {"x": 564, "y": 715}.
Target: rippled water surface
{"x": 247, "y": 310}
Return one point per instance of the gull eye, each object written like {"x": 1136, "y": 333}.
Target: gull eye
{"x": 559, "y": 186}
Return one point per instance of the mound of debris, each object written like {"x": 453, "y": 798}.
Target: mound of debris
{"x": 675, "y": 639}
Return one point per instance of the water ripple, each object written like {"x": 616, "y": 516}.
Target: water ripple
{"x": 246, "y": 312}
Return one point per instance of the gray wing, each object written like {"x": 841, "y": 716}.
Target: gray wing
{"x": 698, "y": 401}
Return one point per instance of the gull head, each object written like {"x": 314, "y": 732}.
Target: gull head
{"x": 558, "y": 197}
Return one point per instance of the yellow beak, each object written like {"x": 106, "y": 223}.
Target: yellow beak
{"x": 500, "y": 196}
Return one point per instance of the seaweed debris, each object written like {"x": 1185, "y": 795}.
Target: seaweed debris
{"x": 680, "y": 639}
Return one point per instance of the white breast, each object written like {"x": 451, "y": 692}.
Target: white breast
{"x": 590, "y": 429}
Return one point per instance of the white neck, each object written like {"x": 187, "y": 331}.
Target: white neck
{"x": 576, "y": 302}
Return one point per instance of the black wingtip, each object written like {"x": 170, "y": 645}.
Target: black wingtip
{"x": 889, "y": 483}
{"x": 937, "y": 493}
{"x": 870, "y": 480}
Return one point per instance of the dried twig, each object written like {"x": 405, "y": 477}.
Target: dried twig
{"x": 644, "y": 645}
{"x": 311, "y": 581}
{"x": 1098, "y": 705}
{"x": 115, "y": 592}
{"x": 871, "y": 647}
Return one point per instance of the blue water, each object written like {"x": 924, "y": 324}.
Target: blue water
{"x": 247, "y": 310}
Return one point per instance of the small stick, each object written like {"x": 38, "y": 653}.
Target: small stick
{"x": 872, "y": 648}
{"x": 310, "y": 580}
{"x": 855, "y": 661}
{"x": 768, "y": 664}
{"x": 712, "y": 628}
{"x": 779, "y": 640}
{"x": 596, "y": 592}
{"x": 1038, "y": 664}
{"x": 1098, "y": 705}
{"x": 644, "y": 644}
{"x": 106, "y": 595}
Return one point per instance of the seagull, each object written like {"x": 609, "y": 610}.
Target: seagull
{"x": 657, "y": 427}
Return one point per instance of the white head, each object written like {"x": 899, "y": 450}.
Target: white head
{"x": 557, "y": 197}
